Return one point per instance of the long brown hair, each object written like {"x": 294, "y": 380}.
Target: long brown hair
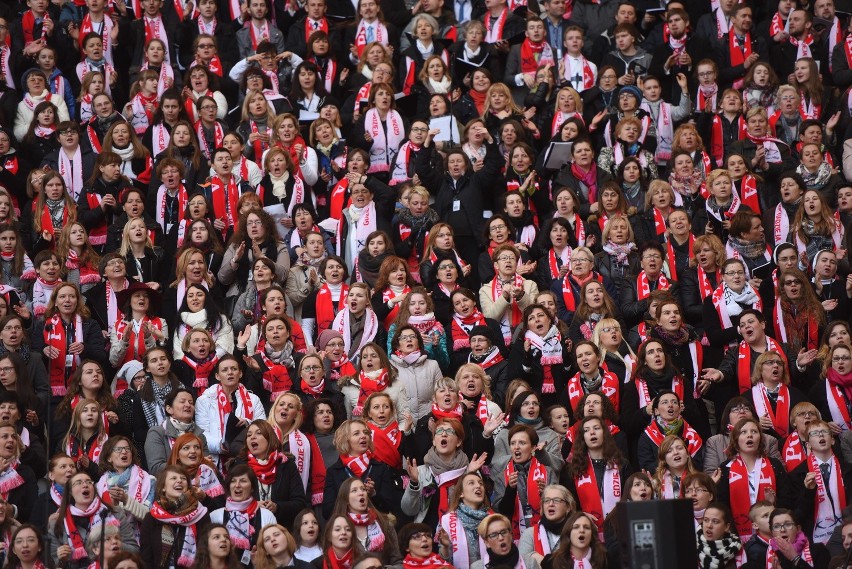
{"x": 584, "y": 311}
{"x": 580, "y": 452}
{"x": 562, "y": 558}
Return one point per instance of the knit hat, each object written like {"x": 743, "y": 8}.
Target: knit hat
{"x": 126, "y": 372}
{"x": 327, "y": 336}
{"x": 632, "y": 89}
{"x": 482, "y": 331}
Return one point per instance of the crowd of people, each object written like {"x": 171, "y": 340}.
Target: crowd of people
{"x": 424, "y": 284}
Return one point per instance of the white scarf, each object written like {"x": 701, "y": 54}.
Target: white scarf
{"x": 166, "y": 71}
{"x": 733, "y": 301}
{"x": 300, "y": 448}
{"x": 158, "y": 30}
{"x": 665, "y": 129}
{"x": 341, "y": 324}
{"x": 827, "y": 513}
{"x": 5, "y": 53}
{"x": 279, "y": 185}
{"x": 550, "y": 345}
{"x": 385, "y": 146}
{"x": 458, "y": 538}
{"x": 441, "y": 87}
{"x": 72, "y": 172}
{"x": 364, "y": 221}
{"x": 160, "y": 138}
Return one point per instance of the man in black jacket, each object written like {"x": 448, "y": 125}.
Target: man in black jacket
{"x": 679, "y": 54}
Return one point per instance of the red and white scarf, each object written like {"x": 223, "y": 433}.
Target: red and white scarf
{"x": 218, "y": 137}
{"x": 460, "y": 328}
{"x": 609, "y": 387}
{"x": 160, "y": 214}
{"x": 537, "y": 472}
{"x": 225, "y": 407}
{"x": 643, "y": 287}
{"x": 665, "y": 130}
{"x": 827, "y": 513}
{"x": 54, "y": 336}
{"x": 201, "y": 371}
{"x": 837, "y": 406}
{"x": 744, "y": 362}
{"x": 190, "y": 522}
{"x": 375, "y": 535}
{"x": 105, "y": 32}
{"x": 591, "y": 500}
{"x": 326, "y": 309}
{"x": 155, "y": 28}
{"x": 551, "y": 354}
{"x": 781, "y": 416}
{"x": 645, "y": 396}
{"x": 240, "y": 526}
{"x": 385, "y": 146}
{"x": 793, "y": 453}
{"x": 578, "y": 67}
{"x": 160, "y": 138}
{"x": 276, "y": 378}
{"x": 92, "y": 511}
{"x": 535, "y": 54}
{"x": 71, "y": 171}
{"x": 225, "y": 197}
{"x": 341, "y": 324}
{"x": 494, "y": 32}
{"x": 803, "y": 47}
{"x": 742, "y": 496}
{"x": 690, "y": 435}
{"x": 135, "y": 340}
{"x": 451, "y": 524}
{"x": 357, "y": 464}
{"x": 380, "y": 35}
{"x": 513, "y": 315}
{"x": 10, "y": 479}
{"x": 363, "y": 227}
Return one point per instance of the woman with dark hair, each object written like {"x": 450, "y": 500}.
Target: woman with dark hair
{"x": 279, "y": 483}
{"x": 579, "y": 542}
{"x": 247, "y": 309}
{"x": 168, "y": 113}
{"x": 176, "y": 517}
{"x": 595, "y": 305}
{"x": 87, "y": 383}
{"x": 123, "y": 483}
{"x": 180, "y": 418}
{"x": 28, "y": 549}
{"x": 139, "y": 330}
{"x": 41, "y": 136}
{"x": 243, "y": 515}
{"x": 307, "y": 91}
{"x": 738, "y": 408}
{"x": 322, "y": 305}
{"x": 748, "y": 455}
{"x": 718, "y": 544}
{"x": 555, "y": 241}
{"x": 305, "y": 218}
{"x": 596, "y": 456}
{"x": 393, "y": 284}
{"x": 80, "y": 513}
{"x": 256, "y": 236}
{"x": 798, "y": 315}
{"x": 183, "y": 145}
{"x": 591, "y": 377}
{"x": 542, "y": 353}
{"x": 322, "y": 419}
{"x": 217, "y": 548}
{"x": 595, "y": 405}
{"x": 94, "y": 213}
{"x": 374, "y": 532}
{"x": 281, "y": 186}
{"x": 273, "y": 368}
{"x": 340, "y": 547}
{"x": 199, "y": 310}
{"x": 666, "y": 420}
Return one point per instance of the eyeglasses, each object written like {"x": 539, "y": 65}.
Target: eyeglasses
{"x": 120, "y": 450}
{"x": 77, "y": 483}
{"x": 3, "y": 27}
{"x": 785, "y": 525}
{"x": 312, "y": 368}
{"x": 696, "y": 490}
{"x": 12, "y": 328}
{"x": 792, "y": 282}
{"x": 556, "y": 501}
{"x": 443, "y": 431}
{"x": 253, "y": 222}
{"x": 773, "y": 363}
{"x": 421, "y": 129}
{"x": 506, "y": 258}
{"x": 581, "y": 260}
{"x": 496, "y": 534}
{"x": 68, "y": 131}
{"x": 408, "y": 337}
{"x": 734, "y": 273}
{"x": 6, "y": 369}
{"x": 818, "y": 433}
{"x": 610, "y": 329}
{"x": 497, "y": 227}
{"x": 445, "y": 267}
{"x": 650, "y": 257}
{"x": 209, "y": 107}
{"x": 841, "y": 358}
{"x": 115, "y": 262}
{"x": 740, "y": 409}
{"x": 421, "y": 535}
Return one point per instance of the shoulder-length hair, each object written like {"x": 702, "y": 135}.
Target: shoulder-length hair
{"x": 183, "y": 263}
{"x": 214, "y": 241}
{"x": 341, "y": 435}
{"x": 240, "y": 235}
{"x": 20, "y": 252}
{"x": 139, "y": 150}
{"x": 80, "y": 309}
{"x": 824, "y": 226}
{"x": 423, "y": 76}
{"x": 104, "y": 396}
{"x": 41, "y": 200}
{"x": 584, "y": 311}
{"x": 562, "y": 558}
{"x": 714, "y": 243}
{"x": 733, "y": 447}
{"x": 262, "y": 559}
{"x": 810, "y": 303}
{"x": 756, "y": 375}
{"x": 404, "y": 311}
{"x": 246, "y": 113}
{"x": 105, "y": 465}
{"x": 68, "y": 501}
{"x": 172, "y": 149}
{"x": 502, "y": 88}
{"x": 30, "y": 136}
{"x": 389, "y": 265}
{"x": 676, "y": 147}
{"x": 662, "y": 467}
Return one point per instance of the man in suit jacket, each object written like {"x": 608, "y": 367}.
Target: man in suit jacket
{"x": 154, "y": 23}
{"x": 257, "y": 28}
{"x": 680, "y": 54}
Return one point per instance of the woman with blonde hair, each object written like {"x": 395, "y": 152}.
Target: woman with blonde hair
{"x": 619, "y": 257}
{"x": 616, "y": 353}
{"x": 659, "y": 203}
{"x": 772, "y": 395}
{"x": 674, "y": 463}
{"x": 143, "y": 261}
{"x": 354, "y": 444}
{"x": 286, "y": 135}
{"x": 815, "y": 227}
{"x": 190, "y": 269}
{"x": 256, "y": 126}
{"x": 568, "y": 105}
{"x": 702, "y": 276}
{"x": 495, "y": 530}
{"x": 499, "y": 106}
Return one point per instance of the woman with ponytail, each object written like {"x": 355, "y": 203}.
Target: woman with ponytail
{"x": 176, "y": 517}
{"x": 80, "y": 513}
{"x": 60, "y": 469}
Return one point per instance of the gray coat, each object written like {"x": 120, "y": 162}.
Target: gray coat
{"x": 158, "y": 445}
{"x": 127, "y": 530}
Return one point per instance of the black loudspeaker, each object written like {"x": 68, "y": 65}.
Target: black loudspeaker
{"x": 659, "y": 534}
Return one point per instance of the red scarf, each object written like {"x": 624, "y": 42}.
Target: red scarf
{"x": 717, "y": 140}
{"x": 325, "y": 308}
{"x": 744, "y": 362}
{"x": 225, "y": 201}
{"x": 267, "y": 472}
{"x": 54, "y": 335}
{"x": 370, "y": 385}
{"x": 781, "y": 416}
{"x": 386, "y": 441}
{"x": 535, "y": 54}
{"x": 643, "y": 287}
{"x": 276, "y": 378}
{"x": 690, "y": 435}
{"x": 591, "y": 500}
{"x": 568, "y": 296}
{"x": 738, "y": 54}
{"x": 434, "y": 561}
{"x": 387, "y": 295}
{"x": 588, "y": 179}
{"x": 202, "y": 371}
{"x": 510, "y": 320}
{"x": 537, "y": 471}
{"x": 322, "y": 25}
{"x": 331, "y": 561}
{"x": 225, "y": 406}
{"x": 671, "y": 257}
{"x": 793, "y": 452}
{"x": 28, "y": 24}
{"x": 609, "y": 387}
{"x": 748, "y": 193}
{"x": 218, "y": 137}
{"x": 357, "y": 464}
{"x": 740, "y": 498}
{"x": 136, "y": 342}
{"x": 258, "y": 145}
{"x": 461, "y": 327}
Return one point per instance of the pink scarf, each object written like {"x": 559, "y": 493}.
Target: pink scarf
{"x": 843, "y": 381}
